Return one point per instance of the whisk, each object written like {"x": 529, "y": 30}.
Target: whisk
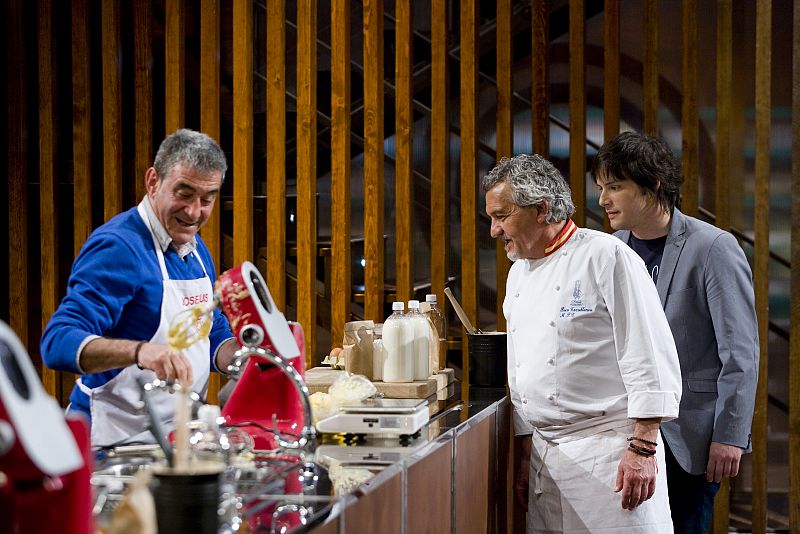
{"x": 191, "y": 325}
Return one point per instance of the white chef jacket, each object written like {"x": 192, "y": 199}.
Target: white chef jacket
{"x": 588, "y": 340}
{"x": 589, "y": 348}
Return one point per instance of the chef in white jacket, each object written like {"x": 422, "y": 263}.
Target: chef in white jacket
{"x": 592, "y": 365}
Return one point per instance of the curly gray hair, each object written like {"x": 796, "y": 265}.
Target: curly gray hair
{"x": 193, "y": 149}
{"x": 533, "y": 181}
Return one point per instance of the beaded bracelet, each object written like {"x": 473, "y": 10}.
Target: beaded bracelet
{"x": 136, "y": 354}
{"x": 645, "y": 441}
{"x": 642, "y": 451}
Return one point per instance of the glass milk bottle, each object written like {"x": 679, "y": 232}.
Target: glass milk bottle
{"x": 378, "y": 352}
{"x": 421, "y": 327}
{"x": 398, "y": 340}
{"x": 437, "y": 318}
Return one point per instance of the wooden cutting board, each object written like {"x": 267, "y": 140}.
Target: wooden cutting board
{"x": 320, "y": 379}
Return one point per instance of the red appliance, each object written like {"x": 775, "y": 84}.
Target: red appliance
{"x": 263, "y": 390}
{"x": 45, "y": 460}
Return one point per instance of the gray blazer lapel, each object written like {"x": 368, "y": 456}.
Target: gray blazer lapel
{"x": 672, "y": 251}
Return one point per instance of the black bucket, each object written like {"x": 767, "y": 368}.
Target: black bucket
{"x": 187, "y": 501}
{"x": 487, "y": 359}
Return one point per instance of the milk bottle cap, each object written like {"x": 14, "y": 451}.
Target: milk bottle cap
{"x": 430, "y": 297}
{"x": 413, "y": 304}
{"x": 398, "y": 306}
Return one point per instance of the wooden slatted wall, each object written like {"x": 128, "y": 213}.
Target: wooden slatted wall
{"x": 210, "y": 124}
{"x": 373, "y": 160}
{"x": 307, "y": 172}
{"x": 794, "y": 299}
{"x": 469, "y": 170}
{"x": 504, "y": 135}
{"x": 276, "y": 151}
{"x": 763, "y": 120}
{"x": 404, "y": 196}
{"x": 340, "y": 169}
{"x": 440, "y": 150}
{"x": 690, "y": 124}
{"x": 577, "y": 109}
{"x": 90, "y": 147}
{"x": 48, "y": 203}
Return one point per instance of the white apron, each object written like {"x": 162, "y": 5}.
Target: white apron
{"x": 116, "y": 416}
{"x": 572, "y": 480}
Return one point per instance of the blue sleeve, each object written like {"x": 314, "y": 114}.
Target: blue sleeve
{"x": 105, "y": 277}
{"x": 220, "y": 329}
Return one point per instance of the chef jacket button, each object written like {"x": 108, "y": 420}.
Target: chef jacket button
{"x": 516, "y": 294}
{"x": 563, "y": 253}
{"x": 551, "y": 397}
{"x": 558, "y": 288}
{"x": 524, "y": 401}
{"x": 513, "y": 328}
{"x": 552, "y": 323}
{"x": 518, "y": 364}
{"x": 551, "y": 361}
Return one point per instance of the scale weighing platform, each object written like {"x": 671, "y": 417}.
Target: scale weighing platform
{"x": 396, "y": 417}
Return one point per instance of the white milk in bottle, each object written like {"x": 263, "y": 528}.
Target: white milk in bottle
{"x": 421, "y": 328}
{"x": 398, "y": 339}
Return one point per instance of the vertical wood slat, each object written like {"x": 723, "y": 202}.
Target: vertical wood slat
{"x": 540, "y": 77}
{"x": 210, "y": 106}
{"x": 143, "y": 92}
{"x": 174, "y": 65}
{"x": 504, "y": 136}
{"x": 373, "y": 160}
{"x": 440, "y": 155}
{"x": 47, "y": 179}
{"x": 81, "y": 126}
{"x": 794, "y": 297}
{"x": 307, "y": 174}
{"x": 17, "y": 170}
{"x": 611, "y": 106}
{"x": 611, "y": 70}
{"x": 340, "y": 168}
{"x": 404, "y": 200}
{"x": 763, "y": 110}
{"x": 210, "y": 124}
{"x": 650, "y": 68}
{"x": 577, "y": 109}
{"x": 276, "y": 151}
{"x": 723, "y": 173}
{"x": 243, "y": 131}
{"x": 690, "y": 125}
{"x": 112, "y": 106}
{"x": 724, "y": 110}
{"x": 469, "y": 172}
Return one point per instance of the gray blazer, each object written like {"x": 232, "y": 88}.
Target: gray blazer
{"x": 706, "y": 289}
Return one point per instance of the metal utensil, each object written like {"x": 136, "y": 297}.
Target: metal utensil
{"x": 462, "y": 315}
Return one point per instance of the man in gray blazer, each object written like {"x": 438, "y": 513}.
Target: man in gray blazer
{"x": 705, "y": 285}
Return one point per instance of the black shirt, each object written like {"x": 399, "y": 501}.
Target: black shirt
{"x": 651, "y": 251}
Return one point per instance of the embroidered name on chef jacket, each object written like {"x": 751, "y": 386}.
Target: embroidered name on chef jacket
{"x": 576, "y": 305}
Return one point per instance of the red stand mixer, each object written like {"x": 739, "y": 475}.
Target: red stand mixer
{"x": 269, "y": 396}
{"x": 45, "y": 460}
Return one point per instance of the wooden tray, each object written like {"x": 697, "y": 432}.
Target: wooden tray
{"x": 320, "y": 379}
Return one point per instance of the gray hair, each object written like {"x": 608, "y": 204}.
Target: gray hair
{"x": 533, "y": 181}
{"x": 193, "y": 149}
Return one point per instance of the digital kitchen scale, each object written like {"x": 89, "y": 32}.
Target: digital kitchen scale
{"x": 396, "y": 417}
{"x": 373, "y": 452}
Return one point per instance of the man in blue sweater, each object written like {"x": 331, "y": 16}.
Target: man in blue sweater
{"x": 132, "y": 277}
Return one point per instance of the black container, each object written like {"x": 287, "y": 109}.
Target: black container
{"x": 187, "y": 502}
{"x": 487, "y": 359}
